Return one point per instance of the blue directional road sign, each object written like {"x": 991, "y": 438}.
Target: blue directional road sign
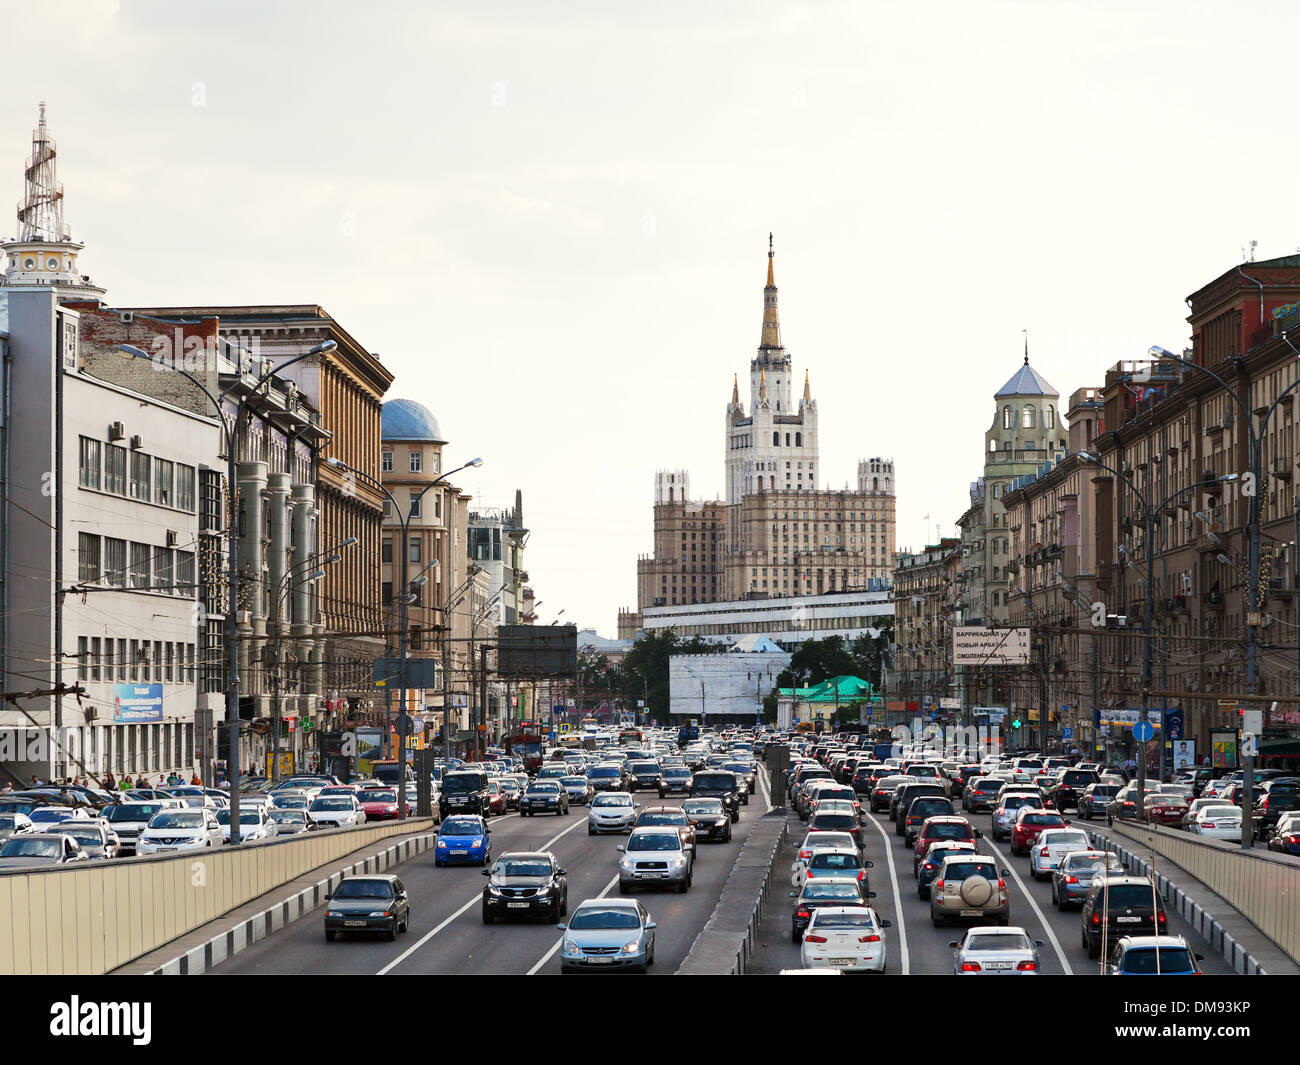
{"x": 1067, "y": 733}
{"x": 1143, "y": 731}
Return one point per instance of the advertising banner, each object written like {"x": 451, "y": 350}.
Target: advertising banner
{"x": 1223, "y": 748}
{"x": 1184, "y": 754}
{"x": 135, "y": 704}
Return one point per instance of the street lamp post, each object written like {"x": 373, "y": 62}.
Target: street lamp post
{"x": 1150, "y": 516}
{"x": 404, "y": 518}
{"x": 230, "y": 427}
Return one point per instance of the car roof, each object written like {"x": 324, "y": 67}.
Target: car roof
{"x": 388, "y": 878}
{"x": 525, "y": 854}
{"x": 979, "y": 855}
{"x": 1152, "y": 941}
{"x": 602, "y": 903}
{"x": 986, "y": 930}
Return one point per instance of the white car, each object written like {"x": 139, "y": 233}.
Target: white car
{"x": 987, "y": 951}
{"x": 611, "y": 811}
{"x": 254, "y": 822}
{"x": 46, "y": 817}
{"x": 340, "y": 811}
{"x": 193, "y": 828}
{"x": 818, "y": 841}
{"x": 844, "y": 937}
{"x": 1052, "y": 845}
{"x": 1218, "y": 822}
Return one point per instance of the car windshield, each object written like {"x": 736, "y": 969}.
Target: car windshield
{"x": 364, "y": 889}
{"x": 1090, "y": 865}
{"x": 131, "y": 812}
{"x": 834, "y": 861}
{"x": 543, "y": 787}
{"x": 462, "y": 782}
{"x": 676, "y": 771}
{"x": 9, "y": 821}
{"x": 948, "y": 830}
{"x": 1128, "y": 896}
{"x": 605, "y": 771}
{"x": 377, "y": 795}
{"x": 833, "y": 821}
{"x": 286, "y": 817}
{"x": 177, "y": 819}
{"x": 522, "y": 867}
{"x": 83, "y": 835}
{"x": 962, "y": 870}
{"x": 1143, "y": 960}
{"x": 596, "y": 918}
{"x": 644, "y": 767}
{"x": 663, "y": 818}
{"x": 331, "y": 804}
{"x": 611, "y": 800}
{"x": 999, "y": 941}
{"x": 459, "y": 826}
{"x": 816, "y": 890}
{"x": 1072, "y": 838}
{"x": 703, "y": 808}
{"x": 654, "y": 841}
{"x": 18, "y": 847}
{"x": 845, "y": 920}
{"x": 53, "y": 814}
{"x": 1221, "y": 813}
{"x": 1042, "y": 819}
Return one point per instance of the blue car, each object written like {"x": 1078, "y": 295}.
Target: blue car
{"x": 463, "y": 839}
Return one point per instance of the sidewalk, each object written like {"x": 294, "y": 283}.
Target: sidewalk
{"x": 210, "y": 944}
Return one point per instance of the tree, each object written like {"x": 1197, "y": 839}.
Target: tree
{"x": 870, "y": 652}
{"x": 643, "y": 673}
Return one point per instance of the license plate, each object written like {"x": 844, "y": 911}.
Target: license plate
{"x": 516, "y": 905}
{"x": 841, "y": 962}
{"x": 459, "y": 852}
{"x": 1128, "y": 920}
{"x": 163, "y": 850}
{"x": 651, "y": 876}
{"x": 972, "y": 913}
{"x": 997, "y": 965}
{"x": 354, "y": 924}
{"x": 600, "y": 961}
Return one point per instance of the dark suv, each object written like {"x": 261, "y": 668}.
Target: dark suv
{"x": 1066, "y": 791}
{"x": 643, "y": 775}
{"x": 465, "y": 791}
{"x": 923, "y": 807}
{"x": 718, "y": 784}
{"x": 904, "y": 796}
{"x": 1120, "y": 906}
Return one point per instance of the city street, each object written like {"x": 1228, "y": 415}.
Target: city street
{"x": 447, "y": 935}
{"x": 916, "y": 946}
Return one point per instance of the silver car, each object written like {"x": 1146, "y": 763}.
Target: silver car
{"x": 987, "y": 951}
{"x": 608, "y": 934}
{"x": 1074, "y": 876}
{"x": 97, "y": 839}
{"x": 656, "y": 857}
{"x": 611, "y": 811}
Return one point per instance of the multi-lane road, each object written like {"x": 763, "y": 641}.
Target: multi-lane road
{"x": 447, "y": 932}
{"x": 916, "y": 946}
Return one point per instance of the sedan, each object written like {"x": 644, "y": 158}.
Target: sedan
{"x": 1095, "y": 798}
{"x": 1072, "y": 879}
{"x": 988, "y": 951}
{"x": 1051, "y": 847}
{"x": 497, "y": 802}
{"x": 254, "y": 823}
{"x": 579, "y": 790}
{"x": 611, "y": 811}
{"x": 670, "y": 815}
{"x": 39, "y": 849}
{"x": 338, "y": 811}
{"x": 368, "y": 904}
{"x": 608, "y": 934}
{"x": 525, "y": 884}
{"x": 192, "y": 828}
{"x": 291, "y": 822}
{"x": 1166, "y": 808}
{"x": 463, "y": 839}
{"x": 1218, "y": 822}
{"x": 15, "y": 824}
{"x": 674, "y": 778}
{"x": 97, "y": 838}
{"x": 845, "y": 937}
{"x": 827, "y": 891}
{"x": 379, "y": 804}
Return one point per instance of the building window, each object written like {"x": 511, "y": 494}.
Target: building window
{"x": 386, "y": 463}
{"x": 1008, "y": 421}
{"x": 88, "y": 570}
{"x": 184, "y": 573}
{"x": 185, "y": 487}
{"x": 776, "y": 439}
{"x": 416, "y": 551}
{"x": 1027, "y": 417}
{"x": 90, "y": 457}
{"x": 1049, "y": 419}
{"x": 140, "y": 566}
{"x": 115, "y": 470}
{"x": 95, "y": 670}
{"x": 162, "y": 482}
{"x": 798, "y": 439}
{"x": 417, "y": 461}
{"x": 415, "y": 503}
{"x": 162, "y": 572}
{"x": 134, "y": 663}
{"x": 83, "y": 656}
{"x": 386, "y": 552}
{"x": 139, "y": 485}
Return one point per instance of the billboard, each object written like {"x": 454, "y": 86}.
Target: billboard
{"x": 537, "y": 651}
{"x": 1223, "y": 748}
{"x": 1184, "y": 754}
{"x": 977, "y": 645}
{"x": 135, "y": 704}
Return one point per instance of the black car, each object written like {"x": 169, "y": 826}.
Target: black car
{"x": 376, "y": 903}
{"x": 712, "y": 820}
{"x": 464, "y": 791}
{"x": 1068, "y": 790}
{"x": 544, "y": 797}
{"x": 718, "y": 784}
{"x": 525, "y": 884}
{"x": 1095, "y": 798}
{"x": 608, "y": 776}
{"x": 674, "y": 778}
{"x": 957, "y": 783}
{"x": 1278, "y": 801}
{"x": 643, "y": 775}
{"x": 923, "y": 807}
{"x": 902, "y": 799}
{"x": 823, "y": 891}
{"x": 1120, "y": 906}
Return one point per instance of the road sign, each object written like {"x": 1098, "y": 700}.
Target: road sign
{"x": 564, "y": 728}
{"x": 1249, "y": 744}
{"x": 1252, "y": 721}
{"x": 1143, "y": 731}
{"x": 1067, "y": 733}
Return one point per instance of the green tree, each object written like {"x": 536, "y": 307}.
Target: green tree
{"x": 643, "y": 673}
{"x": 870, "y": 652}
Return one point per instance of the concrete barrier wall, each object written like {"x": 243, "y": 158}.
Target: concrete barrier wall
{"x": 91, "y": 918}
{"x": 1264, "y": 887}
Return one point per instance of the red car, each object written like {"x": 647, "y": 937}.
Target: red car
{"x": 497, "y": 799}
{"x": 1166, "y": 809}
{"x": 1029, "y": 823}
{"x": 947, "y": 828}
{"x": 380, "y": 804}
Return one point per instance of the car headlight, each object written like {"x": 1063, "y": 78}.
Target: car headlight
{"x": 679, "y": 863}
{"x": 493, "y": 890}
{"x": 442, "y": 843}
{"x": 721, "y": 822}
{"x": 476, "y": 843}
{"x": 625, "y": 863}
{"x": 378, "y": 913}
{"x": 632, "y": 948}
{"x": 570, "y": 949}
{"x": 333, "y": 913}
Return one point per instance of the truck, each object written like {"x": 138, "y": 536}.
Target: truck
{"x": 525, "y": 739}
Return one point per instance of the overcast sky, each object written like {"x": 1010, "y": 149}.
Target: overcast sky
{"x": 550, "y": 219}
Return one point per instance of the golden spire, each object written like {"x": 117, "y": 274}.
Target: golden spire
{"x": 771, "y": 323}
{"x": 807, "y": 389}
{"x": 735, "y": 390}
{"x": 762, "y": 386}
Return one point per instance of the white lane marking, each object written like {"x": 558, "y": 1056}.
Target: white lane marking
{"x": 551, "y": 953}
{"x": 433, "y": 932}
{"x": 767, "y": 794}
{"x": 1056, "y": 946}
{"x": 901, "y": 924}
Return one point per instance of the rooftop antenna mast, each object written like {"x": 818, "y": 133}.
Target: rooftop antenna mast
{"x": 40, "y": 215}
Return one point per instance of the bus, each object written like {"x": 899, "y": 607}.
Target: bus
{"x": 629, "y": 735}
{"x": 525, "y": 739}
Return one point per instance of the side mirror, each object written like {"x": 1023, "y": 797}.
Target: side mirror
{"x": 952, "y": 944}
{"x": 559, "y": 872}
{"x": 979, "y": 834}
{"x": 868, "y": 865}
{"x": 328, "y": 897}
{"x": 485, "y": 872}
{"x": 560, "y": 926}
{"x": 794, "y": 894}
{"x": 886, "y": 924}
{"x": 1038, "y": 942}
{"x": 650, "y": 926}
{"x": 871, "y": 894}
{"x": 619, "y": 848}
{"x": 1199, "y": 957}
{"x": 1004, "y": 872}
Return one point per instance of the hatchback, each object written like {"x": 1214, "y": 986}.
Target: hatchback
{"x": 1073, "y": 877}
{"x": 377, "y": 903}
{"x": 995, "y": 952}
{"x": 1153, "y": 956}
{"x": 463, "y": 839}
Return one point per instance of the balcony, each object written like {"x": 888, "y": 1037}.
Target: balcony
{"x": 1212, "y": 600}
{"x": 1277, "y": 588}
{"x": 1177, "y": 604}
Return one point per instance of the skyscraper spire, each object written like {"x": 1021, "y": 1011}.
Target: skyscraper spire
{"x": 735, "y": 390}
{"x": 1026, "y": 332}
{"x": 807, "y": 389}
{"x": 771, "y": 323}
